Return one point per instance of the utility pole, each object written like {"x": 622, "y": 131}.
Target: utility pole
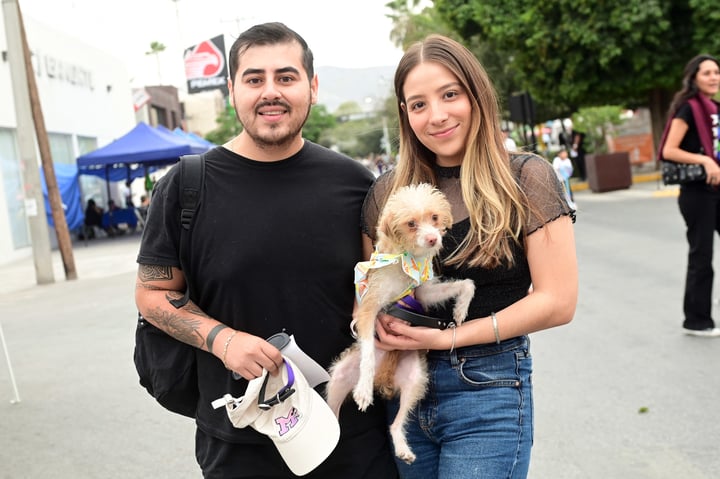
{"x": 386, "y": 137}
{"x": 26, "y": 95}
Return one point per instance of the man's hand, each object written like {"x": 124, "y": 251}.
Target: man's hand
{"x": 248, "y": 355}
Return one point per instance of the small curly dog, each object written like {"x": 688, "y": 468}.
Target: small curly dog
{"x": 410, "y": 232}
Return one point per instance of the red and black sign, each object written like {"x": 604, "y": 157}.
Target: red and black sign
{"x": 205, "y": 66}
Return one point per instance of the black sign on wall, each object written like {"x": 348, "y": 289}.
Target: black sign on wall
{"x": 205, "y": 66}
{"x": 522, "y": 109}
{"x": 522, "y": 112}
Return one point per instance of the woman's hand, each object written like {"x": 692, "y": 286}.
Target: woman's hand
{"x": 393, "y": 333}
{"x": 712, "y": 171}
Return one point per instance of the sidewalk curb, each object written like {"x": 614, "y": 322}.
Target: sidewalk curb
{"x": 636, "y": 178}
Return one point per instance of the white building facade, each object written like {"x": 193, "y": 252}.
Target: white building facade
{"x": 86, "y": 100}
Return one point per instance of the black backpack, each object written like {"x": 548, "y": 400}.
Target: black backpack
{"x": 167, "y": 367}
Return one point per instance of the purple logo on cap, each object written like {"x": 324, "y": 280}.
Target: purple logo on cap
{"x": 286, "y": 423}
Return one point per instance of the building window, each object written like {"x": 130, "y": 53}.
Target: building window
{"x": 13, "y": 187}
{"x": 61, "y": 148}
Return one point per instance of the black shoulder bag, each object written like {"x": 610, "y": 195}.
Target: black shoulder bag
{"x": 167, "y": 367}
{"x": 675, "y": 173}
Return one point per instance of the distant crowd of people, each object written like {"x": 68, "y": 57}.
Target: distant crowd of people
{"x": 95, "y": 222}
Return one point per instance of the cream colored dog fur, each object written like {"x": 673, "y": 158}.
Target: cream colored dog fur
{"x": 413, "y": 221}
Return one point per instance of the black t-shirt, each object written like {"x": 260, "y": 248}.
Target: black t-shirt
{"x": 273, "y": 246}
{"x": 691, "y": 140}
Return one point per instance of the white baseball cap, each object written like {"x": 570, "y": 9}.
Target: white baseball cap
{"x": 291, "y": 413}
{"x": 313, "y": 372}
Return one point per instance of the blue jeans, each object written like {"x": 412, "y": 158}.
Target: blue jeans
{"x": 476, "y": 419}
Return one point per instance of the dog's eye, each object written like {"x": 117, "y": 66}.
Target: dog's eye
{"x": 435, "y": 217}
{"x": 412, "y": 224}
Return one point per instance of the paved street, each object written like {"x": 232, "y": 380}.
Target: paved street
{"x": 619, "y": 393}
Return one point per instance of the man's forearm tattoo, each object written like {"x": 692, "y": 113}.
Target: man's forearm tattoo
{"x": 213, "y": 334}
{"x": 149, "y": 287}
{"x": 185, "y": 330}
{"x": 148, "y": 272}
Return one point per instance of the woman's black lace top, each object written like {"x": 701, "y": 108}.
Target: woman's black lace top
{"x": 499, "y": 287}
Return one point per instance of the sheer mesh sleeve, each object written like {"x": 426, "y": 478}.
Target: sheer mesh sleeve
{"x": 374, "y": 202}
{"x": 545, "y": 193}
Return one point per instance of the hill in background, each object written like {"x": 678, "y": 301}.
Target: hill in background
{"x": 361, "y": 85}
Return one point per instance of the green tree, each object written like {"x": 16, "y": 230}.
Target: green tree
{"x": 597, "y": 123}
{"x": 411, "y": 24}
{"x": 572, "y": 53}
{"x": 156, "y": 48}
{"x": 318, "y": 122}
{"x": 228, "y": 126}
{"x": 348, "y": 110}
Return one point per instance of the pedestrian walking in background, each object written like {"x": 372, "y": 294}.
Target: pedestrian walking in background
{"x": 577, "y": 153}
{"x": 509, "y": 142}
{"x": 273, "y": 246}
{"x": 564, "y": 169}
{"x": 693, "y": 138}
{"x": 513, "y": 231}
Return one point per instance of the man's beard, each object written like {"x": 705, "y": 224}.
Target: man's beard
{"x": 272, "y": 141}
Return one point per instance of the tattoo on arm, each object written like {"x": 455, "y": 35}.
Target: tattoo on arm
{"x": 185, "y": 330}
{"x": 194, "y": 309}
{"x": 174, "y": 295}
{"x": 213, "y": 334}
{"x": 148, "y": 272}
{"x": 189, "y": 306}
{"x": 175, "y": 323}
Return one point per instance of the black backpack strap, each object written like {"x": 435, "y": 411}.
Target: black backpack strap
{"x": 192, "y": 169}
{"x": 192, "y": 176}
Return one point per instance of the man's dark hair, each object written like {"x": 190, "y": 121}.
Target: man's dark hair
{"x": 268, "y": 34}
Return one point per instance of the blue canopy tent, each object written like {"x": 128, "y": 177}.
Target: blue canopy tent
{"x": 140, "y": 151}
{"x": 194, "y": 138}
{"x": 67, "y": 181}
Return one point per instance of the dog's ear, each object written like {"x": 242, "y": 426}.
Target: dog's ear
{"x": 389, "y": 231}
{"x": 447, "y": 219}
{"x": 445, "y": 211}
{"x": 385, "y": 224}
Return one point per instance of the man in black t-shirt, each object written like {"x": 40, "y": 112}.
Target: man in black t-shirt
{"x": 272, "y": 247}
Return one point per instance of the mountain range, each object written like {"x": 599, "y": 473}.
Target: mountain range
{"x": 365, "y": 86}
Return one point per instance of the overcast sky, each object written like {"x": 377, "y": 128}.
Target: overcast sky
{"x": 342, "y": 33}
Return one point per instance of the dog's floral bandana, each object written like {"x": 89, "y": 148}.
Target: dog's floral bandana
{"x": 419, "y": 270}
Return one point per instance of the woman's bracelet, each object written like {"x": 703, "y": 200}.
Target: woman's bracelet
{"x": 495, "y": 327}
{"x": 454, "y": 330}
{"x": 225, "y": 348}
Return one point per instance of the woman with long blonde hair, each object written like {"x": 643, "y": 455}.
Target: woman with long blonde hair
{"x": 512, "y": 234}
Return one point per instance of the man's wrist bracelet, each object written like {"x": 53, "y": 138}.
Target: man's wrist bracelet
{"x": 225, "y": 348}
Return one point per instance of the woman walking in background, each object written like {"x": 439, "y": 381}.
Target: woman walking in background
{"x": 693, "y": 138}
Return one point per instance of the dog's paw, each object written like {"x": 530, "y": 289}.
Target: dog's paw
{"x": 363, "y": 397}
{"x": 402, "y": 449}
{"x": 463, "y": 300}
{"x": 405, "y": 454}
{"x": 459, "y": 315}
